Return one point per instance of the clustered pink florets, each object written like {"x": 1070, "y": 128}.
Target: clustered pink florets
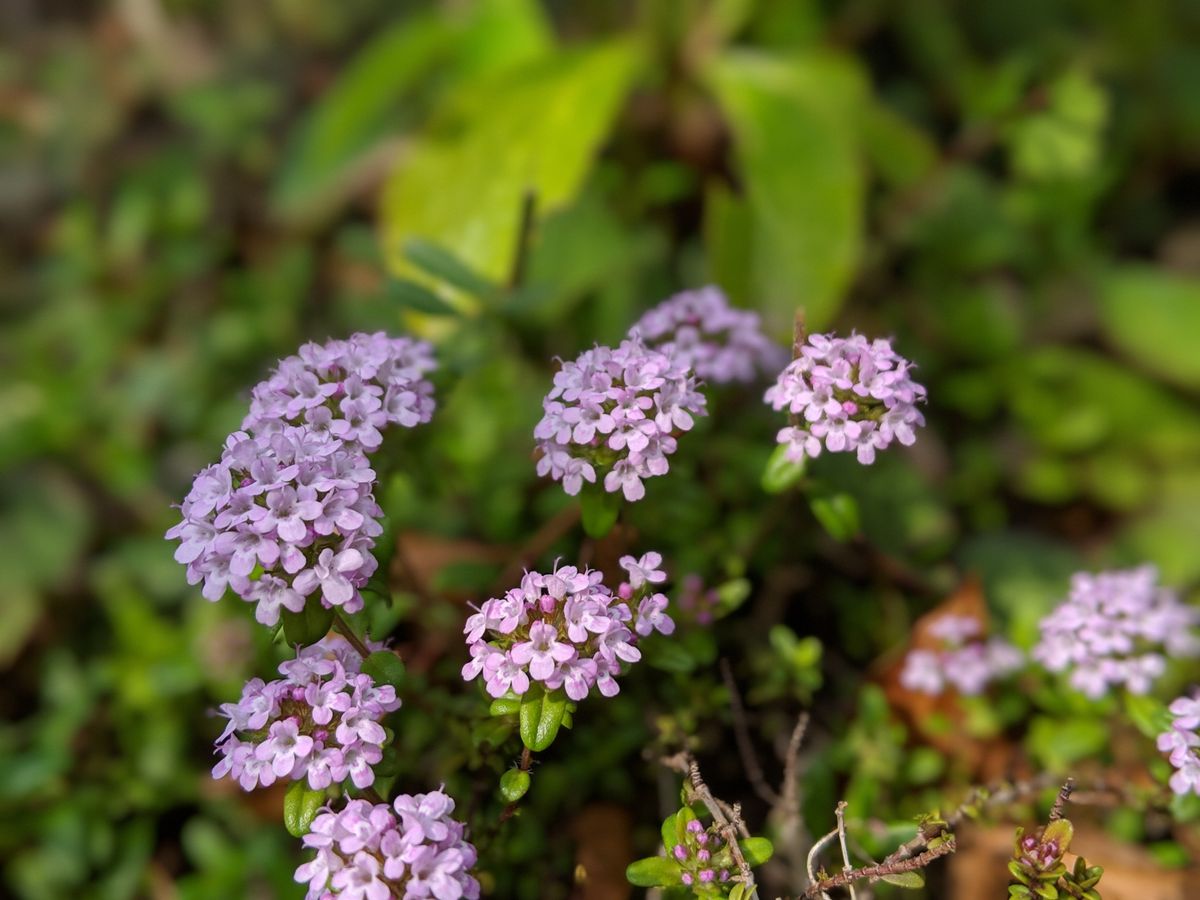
{"x": 846, "y": 394}
{"x": 701, "y": 330}
{"x": 1182, "y": 742}
{"x": 409, "y": 850}
{"x": 1116, "y": 628}
{"x": 320, "y": 722}
{"x": 616, "y": 411}
{"x": 965, "y": 661}
{"x": 566, "y": 629}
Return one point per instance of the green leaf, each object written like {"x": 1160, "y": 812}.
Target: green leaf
{"x": 781, "y": 473}
{"x": 1062, "y": 141}
{"x": 838, "y": 515}
{"x": 669, "y": 836}
{"x": 756, "y": 850}
{"x": 1149, "y": 715}
{"x": 533, "y": 130}
{"x": 416, "y": 297}
{"x": 794, "y": 130}
{"x": 441, "y": 263}
{"x": 355, "y": 113}
{"x": 300, "y": 807}
{"x": 513, "y": 785}
{"x": 911, "y": 880}
{"x": 541, "y": 715}
{"x": 1154, "y": 317}
{"x": 599, "y": 510}
{"x": 384, "y": 667}
{"x": 738, "y": 892}
{"x": 309, "y": 625}
{"x": 653, "y": 871}
{"x": 1059, "y": 830}
{"x": 1057, "y": 742}
{"x": 508, "y": 705}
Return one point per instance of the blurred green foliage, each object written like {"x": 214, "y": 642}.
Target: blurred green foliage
{"x": 190, "y": 188}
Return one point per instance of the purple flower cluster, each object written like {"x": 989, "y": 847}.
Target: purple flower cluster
{"x": 616, "y": 411}
{"x": 696, "y": 602}
{"x": 696, "y": 856}
{"x": 348, "y": 389}
{"x": 965, "y": 661}
{"x": 288, "y": 510}
{"x": 566, "y": 629}
{"x": 846, "y": 394}
{"x": 280, "y": 517}
{"x": 411, "y": 849}
{"x": 1183, "y": 744}
{"x": 1116, "y": 628}
{"x": 321, "y": 721}
{"x": 701, "y": 331}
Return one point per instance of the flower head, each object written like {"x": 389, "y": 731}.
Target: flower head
{"x": 846, "y": 394}
{"x": 413, "y": 848}
{"x": 319, "y": 722}
{"x": 564, "y": 629}
{"x": 1116, "y": 628}
{"x": 615, "y": 412}
{"x": 965, "y": 660}
{"x": 702, "y": 331}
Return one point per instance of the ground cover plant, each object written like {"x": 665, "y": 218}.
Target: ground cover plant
{"x": 717, "y": 449}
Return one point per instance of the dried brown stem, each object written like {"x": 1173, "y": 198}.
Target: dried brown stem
{"x": 879, "y": 870}
{"x": 741, "y": 733}
{"x": 1064, "y": 795}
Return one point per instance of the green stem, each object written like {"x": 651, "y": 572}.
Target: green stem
{"x": 342, "y": 627}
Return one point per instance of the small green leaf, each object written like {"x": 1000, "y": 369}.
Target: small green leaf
{"x": 513, "y": 785}
{"x": 300, "y": 807}
{"x": 838, "y": 515}
{"x": 309, "y": 625}
{"x": 653, "y": 871}
{"x": 599, "y": 510}
{"x": 756, "y": 850}
{"x": 418, "y": 298}
{"x": 738, "y": 892}
{"x": 781, "y": 473}
{"x": 541, "y": 715}
{"x": 507, "y": 705}
{"x": 384, "y": 667}
{"x": 444, "y": 265}
{"x": 911, "y": 880}
{"x": 1061, "y": 831}
{"x": 669, "y": 837}
{"x": 685, "y": 815}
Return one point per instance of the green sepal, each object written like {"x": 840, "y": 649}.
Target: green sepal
{"x": 653, "y": 871}
{"x": 541, "y": 715}
{"x": 300, "y": 807}
{"x": 309, "y": 625}
{"x": 513, "y": 785}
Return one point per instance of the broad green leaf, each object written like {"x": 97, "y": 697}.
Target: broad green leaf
{"x": 1154, "y": 317}
{"x": 794, "y": 129}
{"x": 300, "y": 807}
{"x": 1063, "y": 140}
{"x": 912, "y": 880}
{"x": 356, "y": 111}
{"x": 441, "y": 263}
{"x": 1148, "y": 714}
{"x": 653, "y": 871}
{"x": 513, "y": 785}
{"x": 781, "y": 473}
{"x": 1056, "y": 742}
{"x": 534, "y": 130}
{"x": 669, "y": 836}
{"x": 541, "y": 716}
{"x": 756, "y": 850}
{"x": 309, "y": 625}
{"x": 507, "y": 705}
{"x": 384, "y": 667}
{"x": 897, "y": 149}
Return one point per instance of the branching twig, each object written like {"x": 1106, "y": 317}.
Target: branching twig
{"x": 1064, "y": 794}
{"x": 741, "y": 733}
{"x": 789, "y": 798}
{"x": 847, "y": 866}
{"x": 879, "y": 870}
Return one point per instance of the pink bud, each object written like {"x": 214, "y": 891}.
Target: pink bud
{"x": 680, "y": 852}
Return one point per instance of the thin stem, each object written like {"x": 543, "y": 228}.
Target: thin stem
{"x": 342, "y": 627}
{"x": 847, "y": 866}
{"x": 741, "y": 733}
{"x": 524, "y": 236}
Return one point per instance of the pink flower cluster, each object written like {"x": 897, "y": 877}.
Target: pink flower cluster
{"x": 965, "y": 662}
{"x": 281, "y": 516}
{"x": 701, "y": 331}
{"x": 348, "y": 389}
{"x": 1116, "y": 628}
{"x": 566, "y": 630}
{"x": 846, "y": 394}
{"x": 696, "y": 602}
{"x": 616, "y": 411}
{"x": 696, "y": 856}
{"x": 1183, "y": 744}
{"x": 321, "y": 721}
{"x": 411, "y": 849}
